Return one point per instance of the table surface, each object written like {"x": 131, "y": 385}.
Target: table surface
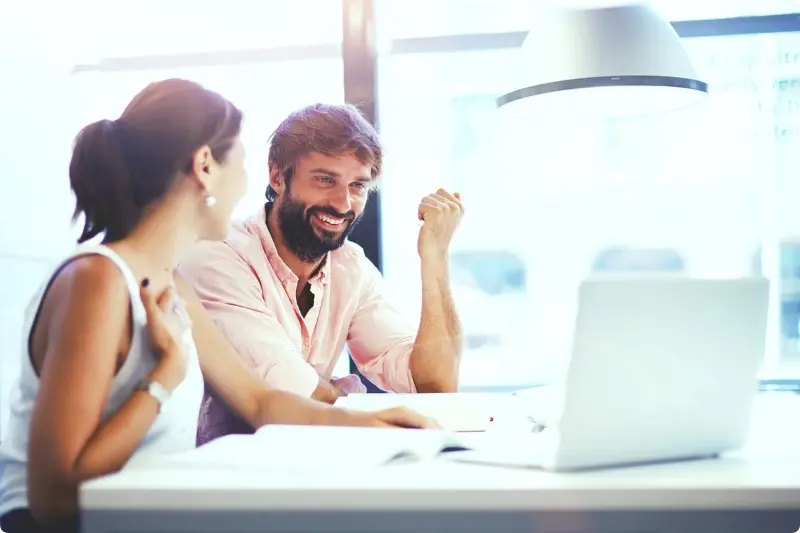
{"x": 735, "y": 482}
{"x": 764, "y": 475}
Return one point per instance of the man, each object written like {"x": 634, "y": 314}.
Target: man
{"x": 289, "y": 291}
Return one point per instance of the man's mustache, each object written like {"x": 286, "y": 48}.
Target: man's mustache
{"x": 349, "y": 216}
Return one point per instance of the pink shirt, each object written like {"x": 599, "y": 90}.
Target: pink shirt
{"x": 251, "y": 296}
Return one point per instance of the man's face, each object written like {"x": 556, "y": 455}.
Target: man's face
{"x": 321, "y": 203}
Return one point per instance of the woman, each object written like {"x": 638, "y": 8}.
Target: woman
{"x": 109, "y": 340}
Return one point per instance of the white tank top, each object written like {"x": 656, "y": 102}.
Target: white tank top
{"x": 173, "y": 431}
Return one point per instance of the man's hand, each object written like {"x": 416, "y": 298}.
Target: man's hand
{"x": 395, "y": 417}
{"x": 440, "y": 214}
{"x": 351, "y": 384}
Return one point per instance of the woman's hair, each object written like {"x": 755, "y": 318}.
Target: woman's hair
{"x": 121, "y": 166}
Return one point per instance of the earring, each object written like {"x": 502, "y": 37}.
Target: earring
{"x": 210, "y": 201}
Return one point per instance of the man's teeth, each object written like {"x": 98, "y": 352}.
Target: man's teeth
{"x": 330, "y": 220}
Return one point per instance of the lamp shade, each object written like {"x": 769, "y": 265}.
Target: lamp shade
{"x": 609, "y": 61}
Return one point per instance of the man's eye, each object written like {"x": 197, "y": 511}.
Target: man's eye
{"x": 360, "y": 185}
{"x": 325, "y": 179}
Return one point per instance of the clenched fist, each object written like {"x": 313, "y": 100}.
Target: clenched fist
{"x": 440, "y": 214}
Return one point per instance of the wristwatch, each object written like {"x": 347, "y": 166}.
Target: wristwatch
{"x": 156, "y": 390}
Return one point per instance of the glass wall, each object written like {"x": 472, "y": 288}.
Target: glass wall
{"x": 706, "y": 192}
{"x": 267, "y": 57}
{"x": 709, "y": 192}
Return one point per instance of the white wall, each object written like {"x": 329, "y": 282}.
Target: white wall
{"x": 42, "y": 107}
{"x": 35, "y": 203}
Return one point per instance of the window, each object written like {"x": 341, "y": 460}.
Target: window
{"x": 692, "y": 193}
{"x": 707, "y": 192}
{"x": 255, "y": 53}
{"x": 266, "y": 92}
{"x": 789, "y": 294}
{"x": 153, "y": 28}
{"x": 638, "y": 260}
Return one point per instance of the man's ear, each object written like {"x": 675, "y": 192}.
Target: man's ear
{"x": 276, "y": 179}
{"x": 201, "y": 167}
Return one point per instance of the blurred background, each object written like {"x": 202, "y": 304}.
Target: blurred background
{"x": 712, "y": 191}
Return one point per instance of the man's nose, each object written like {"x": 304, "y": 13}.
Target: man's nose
{"x": 341, "y": 201}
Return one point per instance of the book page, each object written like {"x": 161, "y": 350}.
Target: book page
{"x": 309, "y": 448}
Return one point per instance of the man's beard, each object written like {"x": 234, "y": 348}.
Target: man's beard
{"x": 299, "y": 234}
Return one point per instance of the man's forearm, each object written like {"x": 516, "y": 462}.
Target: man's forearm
{"x": 437, "y": 349}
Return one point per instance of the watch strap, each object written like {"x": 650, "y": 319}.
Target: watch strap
{"x": 156, "y": 390}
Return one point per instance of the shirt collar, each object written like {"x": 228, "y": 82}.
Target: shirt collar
{"x": 256, "y": 225}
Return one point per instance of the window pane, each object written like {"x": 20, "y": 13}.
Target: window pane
{"x": 426, "y": 18}
{"x": 266, "y": 93}
{"x": 125, "y": 28}
{"x": 697, "y": 193}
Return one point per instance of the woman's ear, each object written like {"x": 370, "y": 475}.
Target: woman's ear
{"x": 202, "y": 167}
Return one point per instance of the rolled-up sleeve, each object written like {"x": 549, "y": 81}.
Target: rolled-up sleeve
{"x": 381, "y": 338}
{"x": 232, "y": 295}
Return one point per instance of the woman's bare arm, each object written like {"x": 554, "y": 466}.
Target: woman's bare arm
{"x": 84, "y": 323}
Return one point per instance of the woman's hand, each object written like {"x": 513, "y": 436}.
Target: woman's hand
{"x": 167, "y": 322}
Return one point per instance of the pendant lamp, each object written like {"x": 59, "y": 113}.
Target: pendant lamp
{"x": 611, "y": 61}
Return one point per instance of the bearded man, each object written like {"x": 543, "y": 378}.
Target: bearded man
{"x": 289, "y": 291}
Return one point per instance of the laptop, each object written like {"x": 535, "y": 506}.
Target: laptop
{"x": 662, "y": 369}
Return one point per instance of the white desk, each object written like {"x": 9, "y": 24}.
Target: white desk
{"x": 757, "y": 491}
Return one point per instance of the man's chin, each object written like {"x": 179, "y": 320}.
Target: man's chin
{"x": 332, "y": 242}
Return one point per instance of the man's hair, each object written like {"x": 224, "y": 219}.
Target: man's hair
{"x": 328, "y": 129}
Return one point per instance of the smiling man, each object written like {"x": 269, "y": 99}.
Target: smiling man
{"x": 290, "y": 291}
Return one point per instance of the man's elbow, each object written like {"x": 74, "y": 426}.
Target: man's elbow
{"x": 434, "y": 379}
{"x": 437, "y": 384}
{"x": 433, "y": 372}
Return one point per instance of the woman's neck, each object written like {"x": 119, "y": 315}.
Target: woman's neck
{"x": 158, "y": 242}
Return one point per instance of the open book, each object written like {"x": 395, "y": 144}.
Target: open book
{"x": 341, "y": 450}
{"x": 313, "y": 448}
{"x": 487, "y": 428}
